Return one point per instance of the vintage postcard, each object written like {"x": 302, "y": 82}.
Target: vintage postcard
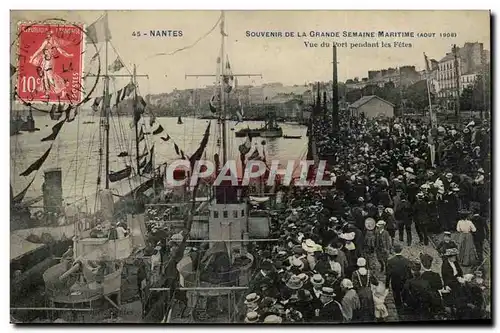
{"x": 252, "y": 167}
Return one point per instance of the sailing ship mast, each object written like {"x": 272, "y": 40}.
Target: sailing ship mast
{"x": 106, "y": 107}
{"x": 222, "y": 91}
{"x": 134, "y": 81}
{"x": 222, "y": 99}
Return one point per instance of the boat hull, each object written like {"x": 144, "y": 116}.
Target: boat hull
{"x": 271, "y": 133}
{"x": 245, "y": 133}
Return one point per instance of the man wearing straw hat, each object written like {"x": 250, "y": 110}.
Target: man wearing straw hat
{"x": 331, "y": 310}
{"x": 383, "y": 244}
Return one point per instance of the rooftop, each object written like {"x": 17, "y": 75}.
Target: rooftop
{"x": 365, "y": 99}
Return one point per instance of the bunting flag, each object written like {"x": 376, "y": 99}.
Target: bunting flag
{"x": 95, "y": 105}
{"x": 158, "y": 130}
{"x": 143, "y": 163}
{"x": 118, "y": 97}
{"x": 55, "y": 115}
{"x": 38, "y": 163}
{"x": 228, "y": 78}
{"x": 141, "y": 103}
{"x": 70, "y": 116}
{"x": 199, "y": 152}
{"x": 120, "y": 175}
{"x": 165, "y": 138}
{"x": 182, "y": 155}
{"x": 123, "y": 154}
{"x": 98, "y": 32}
{"x": 116, "y": 65}
{"x": 55, "y": 130}
{"x": 18, "y": 198}
{"x": 245, "y": 147}
{"x": 176, "y": 147}
{"x": 149, "y": 166}
{"x": 255, "y": 155}
{"x": 144, "y": 153}
{"x": 152, "y": 120}
{"x": 139, "y": 108}
{"x": 141, "y": 136}
{"x": 12, "y": 70}
{"x": 239, "y": 113}
{"x": 214, "y": 100}
{"x": 127, "y": 90}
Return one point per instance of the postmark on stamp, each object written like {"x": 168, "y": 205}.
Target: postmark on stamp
{"x": 50, "y": 63}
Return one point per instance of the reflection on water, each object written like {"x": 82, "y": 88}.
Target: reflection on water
{"x": 76, "y": 150}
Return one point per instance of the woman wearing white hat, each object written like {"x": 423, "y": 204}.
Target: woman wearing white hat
{"x": 362, "y": 280}
{"x": 351, "y": 252}
{"x": 350, "y": 302}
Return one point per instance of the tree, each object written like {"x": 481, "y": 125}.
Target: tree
{"x": 477, "y": 95}
{"x": 417, "y": 96}
{"x": 466, "y": 98}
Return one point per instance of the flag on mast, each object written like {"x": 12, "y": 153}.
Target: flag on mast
{"x": 98, "y": 32}
{"x": 116, "y": 65}
{"x": 228, "y": 77}
{"x": 239, "y": 113}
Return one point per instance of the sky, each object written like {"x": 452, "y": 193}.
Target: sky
{"x": 285, "y": 60}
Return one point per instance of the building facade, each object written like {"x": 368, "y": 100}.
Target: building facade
{"x": 471, "y": 60}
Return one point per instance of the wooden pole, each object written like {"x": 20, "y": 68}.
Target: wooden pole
{"x": 457, "y": 80}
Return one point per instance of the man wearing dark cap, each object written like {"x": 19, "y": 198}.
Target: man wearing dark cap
{"x": 398, "y": 272}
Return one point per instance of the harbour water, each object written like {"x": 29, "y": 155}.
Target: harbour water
{"x": 76, "y": 149}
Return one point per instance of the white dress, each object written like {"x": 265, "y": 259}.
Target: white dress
{"x": 467, "y": 255}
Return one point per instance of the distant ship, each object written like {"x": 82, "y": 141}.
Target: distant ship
{"x": 271, "y": 128}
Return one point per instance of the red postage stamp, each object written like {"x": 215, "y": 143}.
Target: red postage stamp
{"x": 50, "y": 63}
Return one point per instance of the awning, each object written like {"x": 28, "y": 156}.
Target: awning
{"x": 20, "y": 247}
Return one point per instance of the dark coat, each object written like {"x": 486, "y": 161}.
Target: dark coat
{"x": 434, "y": 280}
{"x": 420, "y": 212}
{"x": 449, "y": 279}
{"x": 398, "y": 272}
{"x": 331, "y": 313}
{"x": 404, "y": 212}
{"x": 481, "y": 227}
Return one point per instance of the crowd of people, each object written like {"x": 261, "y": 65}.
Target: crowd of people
{"x": 342, "y": 249}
